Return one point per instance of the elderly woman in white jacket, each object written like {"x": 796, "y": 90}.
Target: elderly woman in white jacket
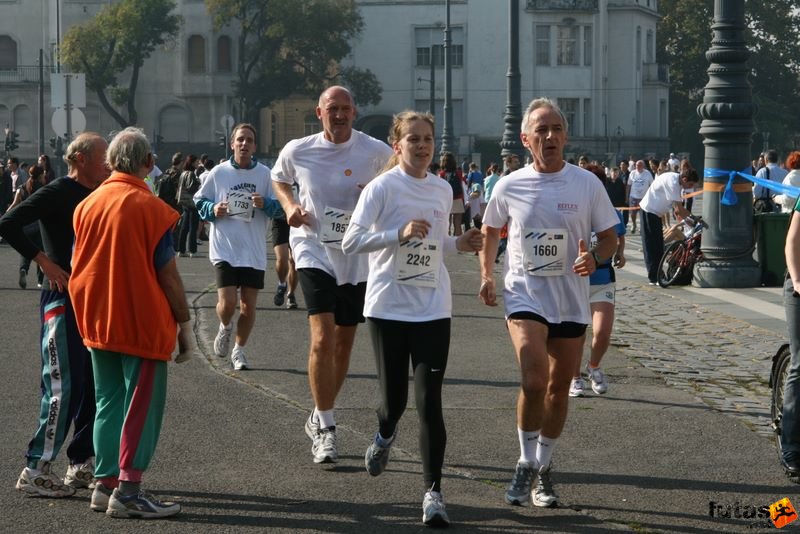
{"x": 793, "y": 178}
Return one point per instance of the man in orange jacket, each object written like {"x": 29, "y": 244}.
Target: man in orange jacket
{"x": 129, "y": 303}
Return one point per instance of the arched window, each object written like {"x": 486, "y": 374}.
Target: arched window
{"x": 174, "y": 124}
{"x": 650, "y": 49}
{"x": 638, "y": 47}
{"x": 8, "y": 53}
{"x": 224, "y": 56}
{"x": 197, "y": 53}
{"x": 23, "y": 122}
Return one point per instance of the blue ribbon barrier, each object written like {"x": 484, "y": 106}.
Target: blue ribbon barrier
{"x": 729, "y": 197}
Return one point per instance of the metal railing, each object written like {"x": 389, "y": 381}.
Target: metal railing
{"x": 26, "y": 74}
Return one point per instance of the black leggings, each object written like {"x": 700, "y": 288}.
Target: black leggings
{"x": 427, "y": 344}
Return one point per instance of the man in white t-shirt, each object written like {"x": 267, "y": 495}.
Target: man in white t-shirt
{"x": 330, "y": 168}
{"x": 663, "y": 195}
{"x": 638, "y": 182}
{"x": 551, "y": 209}
{"x": 235, "y": 198}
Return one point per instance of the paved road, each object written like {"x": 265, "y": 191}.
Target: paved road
{"x": 681, "y": 428}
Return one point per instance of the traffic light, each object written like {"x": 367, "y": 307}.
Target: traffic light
{"x": 12, "y": 141}
{"x": 53, "y": 142}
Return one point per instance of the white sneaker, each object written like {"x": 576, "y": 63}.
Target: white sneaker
{"x": 433, "y": 510}
{"x": 100, "y": 497}
{"x": 43, "y": 483}
{"x": 238, "y": 360}
{"x": 324, "y": 446}
{"x": 80, "y": 475}
{"x": 223, "y": 341}
{"x": 577, "y": 387}
{"x": 598, "y": 379}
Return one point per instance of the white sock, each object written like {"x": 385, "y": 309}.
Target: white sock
{"x": 383, "y": 442}
{"x": 237, "y": 348}
{"x": 544, "y": 450}
{"x": 223, "y": 327}
{"x": 325, "y": 418}
{"x": 527, "y": 445}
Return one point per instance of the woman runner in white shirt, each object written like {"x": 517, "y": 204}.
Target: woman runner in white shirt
{"x": 402, "y": 219}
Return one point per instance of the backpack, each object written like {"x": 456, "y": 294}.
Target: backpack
{"x": 188, "y": 185}
{"x": 764, "y": 204}
{"x": 167, "y": 188}
{"x": 455, "y": 183}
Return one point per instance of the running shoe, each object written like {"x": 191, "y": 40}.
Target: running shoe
{"x": 377, "y": 456}
{"x": 100, "y": 497}
{"x": 433, "y": 510}
{"x": 140, "y": 505}
{"x": 324, "y": 446}
{"x": 43, "y": 483}
{"x": 577, "y": 387}
{"x": 223, "y": 341}
{"x": 598, "y": 379}
{"x": 544, "y": 496}
{"x": 312, "y": 427}
{"x": 519, "y": 492}
{"x": 23, "y": 278}
{"x": 291, "y": 302}
{"x": 280, "y": 294}
{"x": 238, "y": 360}
{"x": 80, "y": 475}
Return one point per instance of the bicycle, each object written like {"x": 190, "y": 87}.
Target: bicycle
{"x": 777, "y": 382}
{"x": 677, "y": 263}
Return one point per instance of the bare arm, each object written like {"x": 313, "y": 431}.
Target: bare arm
{"x": 295, "y": 215}
{"x": 491, "y": 239}
{"x": 792, "y": 251}
{"x": 171, "y": 284}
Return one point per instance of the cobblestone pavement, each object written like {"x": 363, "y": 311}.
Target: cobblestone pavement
{"x": 723, "y": 361}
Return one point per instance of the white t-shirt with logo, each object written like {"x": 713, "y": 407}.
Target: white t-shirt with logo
{"x": 239, "y": 239}
{"x": 665, "y": 190}
{"x": 387, "y": 204}
{"x": 639, "y": 182}
{"x": 330, "y": 177}
{"x": 562, "y": 207}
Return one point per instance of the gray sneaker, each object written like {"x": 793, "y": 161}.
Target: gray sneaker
{"x": 377, "y": 457}
{"x": 291, "y": 302}
{"x": 519, "y": 492}
{"x": 43, "y": 482}
{"x": 280, "y": 294}
{"x": 544, "y": 496}
{"x": 141, "y": 505}
{"x": 100, "y": 497}
{"x": 223, "y": 341}
{"x": 324, "y": 446}
{"x": 433, "y": 510}
{"x": 80, "y": 475}
{"x": 598, "y": 379}
{"x": 239, "y": 361}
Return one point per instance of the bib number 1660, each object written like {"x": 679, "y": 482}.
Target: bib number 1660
{"x": 545, "y": 250}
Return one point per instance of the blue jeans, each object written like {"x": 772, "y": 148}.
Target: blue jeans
{"x": 790, "y": 427}
{"x": 652, "y": 243}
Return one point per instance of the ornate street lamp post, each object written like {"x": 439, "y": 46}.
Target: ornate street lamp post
{"x": 512, "y": 117}
{"x": 727, "y": 127}
{"x": 447, "y": 111}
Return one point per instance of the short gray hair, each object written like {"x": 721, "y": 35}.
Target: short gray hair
{"x": 128, "y": 151}
{"x": 543, "y": 102}
{"x": 83, "y": 144}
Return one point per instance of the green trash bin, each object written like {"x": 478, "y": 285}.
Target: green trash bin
{"x": 771, "y": 232}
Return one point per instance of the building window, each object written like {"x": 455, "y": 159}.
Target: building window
{"x": 8, "y": 53}
{"x": 569, "y": 106}
{"x": 310, "y": 124}
{"x": 587, "y": 117}
{"x": 567, "y": 50}
{"x": 224, "y": 63}
{"x": 650, "y": 49}
{"x": 638, "y": 45}
{"x": 587, "y": 45}
{"x": 197, "y": 53}
{"x": 428, "y": 42}
{"x": 543, "y": 45}
{"x": 273, "y": 130}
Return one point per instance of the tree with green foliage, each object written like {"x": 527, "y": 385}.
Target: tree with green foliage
{"x": 773, "y": 39}
{"x": 112, "y": 47}
{"x": 293, "y": 46}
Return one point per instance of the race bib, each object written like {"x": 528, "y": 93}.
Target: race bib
{"x": 544, "y": 251}
{"x": 240, "y": 205}
{"x": 334, "y": 225}
{"x": 418, "y": 263}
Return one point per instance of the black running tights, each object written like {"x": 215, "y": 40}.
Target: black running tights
{"x": 427, "y": 345}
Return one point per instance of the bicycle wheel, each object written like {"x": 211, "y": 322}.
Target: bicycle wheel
{"x": 669, "y": 268}
{"x": 777, "y": 381}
